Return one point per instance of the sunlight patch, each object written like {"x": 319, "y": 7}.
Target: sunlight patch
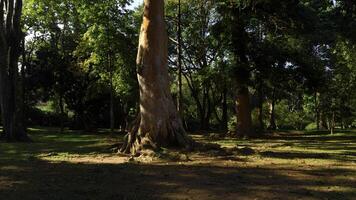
{"x": 92, "y": 158}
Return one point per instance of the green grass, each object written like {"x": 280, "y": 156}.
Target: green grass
{"x": 78, "y": 165}
{"x": 48, "y": 141}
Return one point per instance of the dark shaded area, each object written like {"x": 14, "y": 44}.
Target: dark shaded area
{"x": 42, "y": 180}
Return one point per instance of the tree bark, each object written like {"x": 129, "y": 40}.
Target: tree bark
{"x": 239, "y": 39}
{"x": 244, "y": 120}
{"x": 158, "y": 123}
{"x": 272, "y": 112}
{"x": 323, "y": 125}
{"x": 10, "y": 86}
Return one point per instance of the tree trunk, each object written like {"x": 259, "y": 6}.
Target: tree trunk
{"x": 332, "y": 123}
{"x": 317, "y": 111}
{"x": 224, "y": 109}
{"x": 272, "y": 113}
{"x": 260, "y": 106}
{"x": 112, "y": 99}
{"x": 61, "y": 110}
{"x": 10, "y": 87}
{"x": 22, "y": 95}
{"x": 179, "y": 64}
{"x": 272, "y": 118}
{"x": 158, "y": 123}
{"x": 323, "y": 121}
{"x": 239, "y": 39}
{"x": 244, "y": 120}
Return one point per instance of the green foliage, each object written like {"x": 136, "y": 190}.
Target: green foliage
{"x": 289, "y": 117}
{"x": 232, "y": 124}
{"x": 311, "y": 126}
{"x": 300, "y": 54}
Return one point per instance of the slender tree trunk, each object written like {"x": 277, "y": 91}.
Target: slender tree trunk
{"x": 112, "y": 111}
{"x": 224, "y": 109}
{"x": 332, "y": 123}
{"x": 158, "y": 123}
{"x": 317, "y": 112}
{"x": 272, "y": 118}
{"x": 180, "y": 70}
{"x": 260, "y": 106}
{"x": 206, "y": 110}
{"x": 61, "y": 109}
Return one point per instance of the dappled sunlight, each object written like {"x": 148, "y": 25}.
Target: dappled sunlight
{"x": 74, "y": 166}
{"x": 94, "y": 158}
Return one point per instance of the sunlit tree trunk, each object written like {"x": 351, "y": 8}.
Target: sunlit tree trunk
{"x": 272, "y": 112}
{"x": 10, "y": 88}
{"x": 317, "y": 110}
{"x": 332, "y": 123}
{"x": 158, "y": 123}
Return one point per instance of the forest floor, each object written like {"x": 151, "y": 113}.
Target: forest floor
{"x": 284, "y": 165}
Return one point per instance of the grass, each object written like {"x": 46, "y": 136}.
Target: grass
{"x": 285, "y": 165}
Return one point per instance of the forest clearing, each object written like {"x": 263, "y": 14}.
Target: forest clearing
{"x": 177, "y": 99}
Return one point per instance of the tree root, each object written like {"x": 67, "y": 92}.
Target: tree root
{"x": 170, "y": 135}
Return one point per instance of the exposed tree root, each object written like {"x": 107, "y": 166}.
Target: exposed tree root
{"x": 170, "y": 134}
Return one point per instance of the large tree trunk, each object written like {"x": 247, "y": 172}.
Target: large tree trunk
{"x": 244, "y": 120}
{"x": 323, "y": 124}
{"x": 243, "y": 108}
{"x": 10, "y": 87}
{"x": 158, "y": 123}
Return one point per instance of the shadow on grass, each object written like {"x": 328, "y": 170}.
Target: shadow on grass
{"x": 25, "y": 176}
{"x": 42, "y": 180}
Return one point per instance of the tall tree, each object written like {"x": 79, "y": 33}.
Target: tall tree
{"x": 10, "y": 86}
{"x": 158, "y": 123}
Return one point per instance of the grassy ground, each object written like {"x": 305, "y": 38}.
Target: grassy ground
{"x": 287, "y": 165}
